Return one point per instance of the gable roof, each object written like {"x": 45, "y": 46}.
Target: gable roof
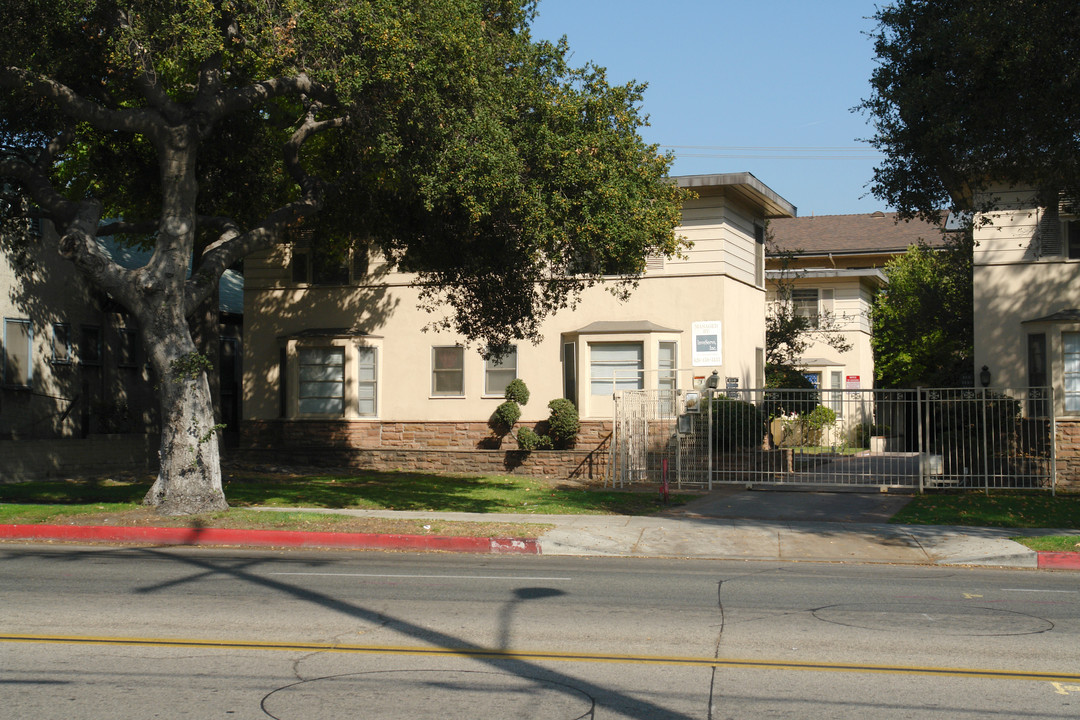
{"x": 850, "y": 234}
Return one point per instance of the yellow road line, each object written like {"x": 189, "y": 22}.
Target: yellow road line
{"x": 489, "y": 653}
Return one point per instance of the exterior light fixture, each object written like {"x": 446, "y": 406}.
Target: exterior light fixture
{"x": 984, "y": 376}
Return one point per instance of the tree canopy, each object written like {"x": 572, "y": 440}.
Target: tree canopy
{"x": 922, "y": 322}
{"x": 437, "y": 133}
{"x": 969, "y": 94}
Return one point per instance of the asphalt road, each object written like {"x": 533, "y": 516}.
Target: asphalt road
{"x": 186, "y": 633}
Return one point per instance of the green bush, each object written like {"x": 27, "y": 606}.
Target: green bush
{"x": 788, "y": 392}
{"x": 563, "y": 423}
{"x": 528, "y": 440}
{"x": 737, "y": 424}
{"x": 517, "y": 392}
{"x": 815, "y": 423}
{"x": 507, "y": 414}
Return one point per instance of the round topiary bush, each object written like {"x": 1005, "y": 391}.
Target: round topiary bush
{"x": 507, "y": 414}
{"x": 516, "y": 391}
{"x": 563, "y": 424}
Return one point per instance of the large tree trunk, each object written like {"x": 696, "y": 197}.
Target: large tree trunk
{"x": 189, "y": 481}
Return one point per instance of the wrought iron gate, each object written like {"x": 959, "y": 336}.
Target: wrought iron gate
{"x": 925, "y": 438}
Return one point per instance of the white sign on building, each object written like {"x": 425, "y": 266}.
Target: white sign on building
{"x": 706, "y": 339}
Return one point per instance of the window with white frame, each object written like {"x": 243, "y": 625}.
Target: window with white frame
{"x": 1071, "y": 345}
{"x": 616, "y": 366}
{"x": 18, "y": 370}
{"x": 666, "y": 381}
{"x": 61, "y": 344}
{"x": 367, "y": 381}
{"x": 836, "y": 397}
{"x": 448, "y": 371}
{"x": 804, "y": 303}
{"x": 322, "y": 381}
{"x": 499, "y": 373}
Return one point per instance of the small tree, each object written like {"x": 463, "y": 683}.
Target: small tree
{"x": 923, "y": 320}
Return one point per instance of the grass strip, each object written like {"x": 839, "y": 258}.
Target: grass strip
{"x": 1051, "y": 543}
{"x": 998, "y": 509}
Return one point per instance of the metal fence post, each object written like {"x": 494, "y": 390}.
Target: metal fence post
{"x": 922, "y": 455}
{"x": 1053, "y": 444}
{"x": 986, "y": 446}
{"x": 709, "y": 437}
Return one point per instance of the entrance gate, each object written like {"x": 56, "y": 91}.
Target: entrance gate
{"x": 926, "y": 438}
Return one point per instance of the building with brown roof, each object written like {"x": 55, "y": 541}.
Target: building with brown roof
{"x": 833, "y": 267}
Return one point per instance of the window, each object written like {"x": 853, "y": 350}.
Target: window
{"x": 367, "y": 377}
{"x": 759, "y": 256}
{"x": 1071, "y": 342}
{"x": 128, "y": 343}
{"x": 448, "y": 371}
{"x": 90, "y": 345}
{"x": 1037, "y": 406}
{"x": 836, "y": 397}
{"x": 18, "y": 371}
{"x": 569, "y": 360}
{"x": 61, "y": 344}
{"x": 314, "y": 263}
{"x": 615, "y": 366}
{"x": 1072, "y": 239}
{"x": 804, "y": 303}
{"x": 666, "y": 362}
{"x": 499, "y": 373}
{"x": 322, "y": 381}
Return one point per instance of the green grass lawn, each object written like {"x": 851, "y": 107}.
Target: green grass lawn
{"x": 119, "y": 499}
{"x": 1006, "y": 509}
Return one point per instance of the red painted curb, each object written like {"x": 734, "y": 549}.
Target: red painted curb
{"x": 269, "y": 538}
{"x": 1060, "y": 560}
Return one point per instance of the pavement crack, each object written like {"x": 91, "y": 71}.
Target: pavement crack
{"x": 716, "y": 652}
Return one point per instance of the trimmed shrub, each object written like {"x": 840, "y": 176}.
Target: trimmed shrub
{"x": 563, "y": 424}
{"x": 528, "y": 440}
{"x": 737, "y": 424}
{"x": 517, "y": 392}
{"x": 507, "y": 414}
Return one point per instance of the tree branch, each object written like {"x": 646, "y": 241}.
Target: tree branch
{"x": 237, "y": 100}
{"x": 146, "y": 77}
{"x": 232, "y": 245}
{"x": 76, "y": 106}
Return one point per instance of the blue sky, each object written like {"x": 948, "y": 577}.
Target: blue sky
{"x": 764, "y": 87}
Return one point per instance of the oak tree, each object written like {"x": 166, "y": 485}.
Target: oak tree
{"x": 437, "y": 133}
{"x": 968, "y": 94}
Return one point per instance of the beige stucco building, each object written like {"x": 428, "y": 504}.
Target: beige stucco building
{"x": 833, "y": 266}
{"x": 343, "y": 364}
{"x": 1026, "y": 277}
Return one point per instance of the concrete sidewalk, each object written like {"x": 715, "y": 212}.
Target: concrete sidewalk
{"x": 731, "y": 523}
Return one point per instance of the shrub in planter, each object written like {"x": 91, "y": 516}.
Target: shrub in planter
{"x": 563, "y": 424}
{"x": 517, "y": 392}
{"x": 528, "y": 440}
